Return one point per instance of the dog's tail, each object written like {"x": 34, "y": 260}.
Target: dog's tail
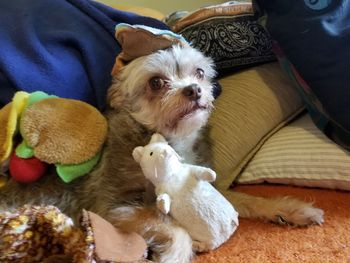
{"x": 168, "y": 242}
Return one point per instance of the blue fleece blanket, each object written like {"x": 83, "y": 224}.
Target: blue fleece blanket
{"x": 62, "y": 47}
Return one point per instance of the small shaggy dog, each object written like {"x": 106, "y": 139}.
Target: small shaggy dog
{"x": 171, "y": 92}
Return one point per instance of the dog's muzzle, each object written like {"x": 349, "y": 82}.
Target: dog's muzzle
{"x": 193, "y": 92}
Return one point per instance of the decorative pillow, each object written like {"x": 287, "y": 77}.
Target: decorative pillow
{"x": 300, "y": 154}
{"x": 254, "y": 104}
{"x": 313, "y": 49}
{"x": 229, "y": 33}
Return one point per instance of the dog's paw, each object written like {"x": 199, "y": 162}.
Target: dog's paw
{"x": 300, "y": 215}
{"x": 199, "y": 247}
{"x": 209, "y": 175}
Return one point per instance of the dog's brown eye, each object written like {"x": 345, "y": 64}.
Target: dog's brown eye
{"x": 156, "y": 83}
{"x": 151, "y": 154}
{"x": 199, "y": 73}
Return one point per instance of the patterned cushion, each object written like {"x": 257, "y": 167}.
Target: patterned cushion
{"x": 229, "y": 33}
{"x": 300, "y": 154}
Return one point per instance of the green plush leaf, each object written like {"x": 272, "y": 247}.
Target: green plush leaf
{"x": 38, "y": 96}
{"x": 24, "y": 151}
{"x": 69, "y": 173}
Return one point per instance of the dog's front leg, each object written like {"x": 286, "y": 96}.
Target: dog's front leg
{"x": 167, "y": 241}
{"x": 282, "y": 210}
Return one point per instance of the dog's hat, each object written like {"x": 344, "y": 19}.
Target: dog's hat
{"x": 139, "y": 40}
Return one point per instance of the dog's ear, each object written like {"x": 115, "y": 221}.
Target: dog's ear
{"x": 118, "y": 65}
{"x": 216, "y": 88}
{"x": 115, "y": 97}
{"x": 137, "y": 153}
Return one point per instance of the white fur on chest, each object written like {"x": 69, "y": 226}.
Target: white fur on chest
{"x": 184, "y": 147}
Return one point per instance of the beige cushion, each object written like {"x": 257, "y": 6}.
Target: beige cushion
{"x": 254, "y": 104}
{"x": 300, "y": 154}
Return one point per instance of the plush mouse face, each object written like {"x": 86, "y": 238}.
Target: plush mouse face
{"x": 157, "y": 159}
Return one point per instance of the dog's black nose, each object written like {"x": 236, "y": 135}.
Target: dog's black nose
{"x": 193, "y": 92}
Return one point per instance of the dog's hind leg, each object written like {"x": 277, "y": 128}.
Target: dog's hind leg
{"x": 167, "y": 241}
{"x": 282, "y": 210}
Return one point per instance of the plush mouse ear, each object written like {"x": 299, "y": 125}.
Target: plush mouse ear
{"x": 108, "y": 243}
{"x": 137, "y": 153}
{"x": 157, "y": 137}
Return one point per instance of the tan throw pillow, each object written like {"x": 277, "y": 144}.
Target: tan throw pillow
{"x": 254, "y": 104}
{"x": 300, "y": 154}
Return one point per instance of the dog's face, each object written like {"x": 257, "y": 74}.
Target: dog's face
{"x": 169, "y": 91}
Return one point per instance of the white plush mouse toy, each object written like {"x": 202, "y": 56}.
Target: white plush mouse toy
{"x": 184, "y": 191}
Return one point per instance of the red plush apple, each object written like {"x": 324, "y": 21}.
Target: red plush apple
{"x": 26, "y": 170}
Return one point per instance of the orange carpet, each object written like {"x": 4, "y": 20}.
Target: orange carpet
{"x": 263, "y": 242}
